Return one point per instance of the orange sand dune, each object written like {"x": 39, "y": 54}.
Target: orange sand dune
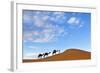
{"x": 70, "y": 54}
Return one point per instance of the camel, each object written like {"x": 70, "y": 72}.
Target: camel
{"x": 55, "y": 51}
{"x": 46, "y": 54}
{"x": 40, "y": 55}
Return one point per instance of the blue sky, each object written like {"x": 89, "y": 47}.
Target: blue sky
{"x": 44, "y": 31}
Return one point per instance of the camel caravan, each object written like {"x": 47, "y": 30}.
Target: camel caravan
{"x": 46, "y": 54}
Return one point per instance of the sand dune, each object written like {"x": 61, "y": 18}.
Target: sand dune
{"x": 70, "y": 54}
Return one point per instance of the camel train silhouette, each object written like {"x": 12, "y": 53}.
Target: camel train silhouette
{"x": 43, "y": 55}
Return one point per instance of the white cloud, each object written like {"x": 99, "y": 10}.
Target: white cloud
{"x": 73, "y": 21}
{"x": 27, "y": 36}
{"x": 44, "y": 18}
{"x": 37, "y": 21}
{"x": 48, "y": 34}
{"x": 80, "y": 26}
{"x": 57, "y": 16}
{"x": 40, "y": 21}
{"x": 27, "y": 18}
{"x": 65, "y": 33}
{"x": 49, "y": 31}
{"x": 42, "y": 40}
{"x": 45, "y": 36}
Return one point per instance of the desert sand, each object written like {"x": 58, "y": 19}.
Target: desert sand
{"x": 69, "y": 54}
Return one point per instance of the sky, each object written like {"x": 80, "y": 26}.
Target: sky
{"x": 44, "y": 31}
